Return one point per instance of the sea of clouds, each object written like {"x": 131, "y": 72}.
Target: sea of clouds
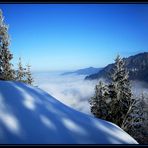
{"x": 73, "y": 90}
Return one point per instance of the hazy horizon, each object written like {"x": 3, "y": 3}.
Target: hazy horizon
{"x": 73, "y": 90}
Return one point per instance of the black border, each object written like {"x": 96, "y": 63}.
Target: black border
{"x": 75, "y": 2}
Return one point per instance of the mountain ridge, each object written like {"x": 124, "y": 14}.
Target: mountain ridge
{"x": 137, "y": 66}
{"x": 84, "y": 71}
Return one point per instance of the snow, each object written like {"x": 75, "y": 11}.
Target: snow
{"x": 29, "y": 115}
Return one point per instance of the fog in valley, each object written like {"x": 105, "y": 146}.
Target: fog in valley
{"x": 74, "y": 91}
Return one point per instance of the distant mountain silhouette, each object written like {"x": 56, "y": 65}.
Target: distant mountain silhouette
{"x": 85, "y": 71}
{"x": 137, "y": 66}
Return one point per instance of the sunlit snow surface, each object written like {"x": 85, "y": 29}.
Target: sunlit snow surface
{"x": 29, "y": 115}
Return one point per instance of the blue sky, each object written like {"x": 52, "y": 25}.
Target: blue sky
{"x": 73, "y": 36}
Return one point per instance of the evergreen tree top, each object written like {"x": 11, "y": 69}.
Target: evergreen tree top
{"x": 118, "y": 58}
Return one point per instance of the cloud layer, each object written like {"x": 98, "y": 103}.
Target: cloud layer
{"x": 72, "y": 90}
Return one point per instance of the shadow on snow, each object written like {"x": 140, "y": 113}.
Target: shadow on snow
{"x": 29, "y": 115}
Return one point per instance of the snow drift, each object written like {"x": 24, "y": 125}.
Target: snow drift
{"x": 29, "y": 115}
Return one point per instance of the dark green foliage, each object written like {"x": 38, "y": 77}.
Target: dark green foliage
{"x": 29, "y": 79}
{"x": 6, "y": 71}
{"x": 119, "y": 92}
{"x": 135, "y": 122}
{"x": 99, "y": 102}
{"x": 114, "y": 102}
{"x": 20, "y": 73}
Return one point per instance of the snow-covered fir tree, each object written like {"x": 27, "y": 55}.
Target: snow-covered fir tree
{"x": 29, "y": 78}
{"x": 119, "y": 92}
{"x": 114, "y": 102}
{"x": 135, "y": 122}
{"x": 6, "y": 71}
{"x": 20, "y": 73}
{"x": 111, "y": 102}
{"x": 99, "y": 102}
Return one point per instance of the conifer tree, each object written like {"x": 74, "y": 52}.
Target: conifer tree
{"x": 119, "y": 92}
{"x": 20, "y": 74}
{"x": 29, "y": 79}
{"x": 135, "y": 121}
{"x": 99, "y": 102}
{"x": 121, "y": 109}
{"x": 6, "y": 71}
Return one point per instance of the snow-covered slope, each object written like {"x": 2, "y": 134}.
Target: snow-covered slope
{"x": 29, "y": 115}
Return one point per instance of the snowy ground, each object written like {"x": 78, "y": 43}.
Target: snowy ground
{"x": 29, "y": 115}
